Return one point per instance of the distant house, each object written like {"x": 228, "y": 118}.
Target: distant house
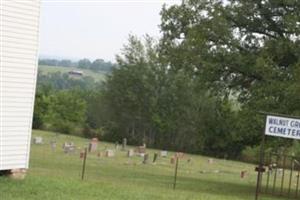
{"x": 76, "y": 73}
{"x": 18, "y": 72}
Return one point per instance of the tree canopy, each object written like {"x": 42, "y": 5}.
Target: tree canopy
{"x": 198, "y": 88}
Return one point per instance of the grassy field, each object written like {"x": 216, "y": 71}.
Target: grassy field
{"x": 56, "y": 176}
{"x": 44, "y": 69}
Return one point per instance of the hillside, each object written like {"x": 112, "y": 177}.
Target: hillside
{"x": 56, "y": 175}
{"x": 98, "y": 76}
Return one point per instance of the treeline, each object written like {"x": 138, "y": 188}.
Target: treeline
{"x": 96, "y": 65}
{"x": 198, "y": 88}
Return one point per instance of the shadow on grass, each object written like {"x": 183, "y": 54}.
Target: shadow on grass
{"x": 221, "y": 187}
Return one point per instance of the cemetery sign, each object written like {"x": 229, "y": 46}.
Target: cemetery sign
{"x": 278, "y": 126}
{"x": 283, "y": 127}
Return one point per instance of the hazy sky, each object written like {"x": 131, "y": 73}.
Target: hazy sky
{"x": 95, "y": 29}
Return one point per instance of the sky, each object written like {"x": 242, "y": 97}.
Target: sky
{"x": 75, "y": 29}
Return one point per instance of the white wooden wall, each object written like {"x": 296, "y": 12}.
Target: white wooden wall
{"x": 18, "y": 70}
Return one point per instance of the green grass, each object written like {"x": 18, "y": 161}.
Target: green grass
{"x": 97, "y": 76}
{"x": 55, "y": 175}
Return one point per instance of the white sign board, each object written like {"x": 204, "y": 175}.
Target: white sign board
{"x": 283, "y": 127}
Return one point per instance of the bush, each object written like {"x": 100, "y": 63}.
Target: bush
{"x": 251, "y": 154}
{"x": 88, "y": 132}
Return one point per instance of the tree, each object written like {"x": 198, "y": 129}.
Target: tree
{"x": 66, "y": 63}
{"x": 66, "y": 111}
{"x": 84, "y": 63}
{"x": 97, "y": 64}
{"x": 246, "y": 49}
{"x": 101, "y": 65}
{"x": 41, "y": 106}
{"x": 148, "y": 102}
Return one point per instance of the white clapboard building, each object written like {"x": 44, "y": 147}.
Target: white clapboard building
{"x": 19, "y": 30}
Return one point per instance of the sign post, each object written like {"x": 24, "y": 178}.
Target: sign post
{"x": 261, "y": 164}
{"x": 277, "y": 126}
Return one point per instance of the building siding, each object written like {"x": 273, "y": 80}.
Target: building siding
{"x": 18, "y": 71}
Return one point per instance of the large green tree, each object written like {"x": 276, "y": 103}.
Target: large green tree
{"x": 66, "y": 111}
{"x": 150, "y": 102}
{"x": 244, "y": 50}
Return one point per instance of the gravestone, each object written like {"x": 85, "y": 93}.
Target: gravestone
{"x": 210, "y": 161}
{"x": 243, "y": 174}
{"x": 124, "y": 144}
{"x": 109, "y": 153}
{"x": 93, "y": 145}
{"x": 130, "y": 153}
{"x": 179, "y": 155}
{"x": 38, "y": 140}
{"x": 69, "y": 147}
{"x": 117, "y": 145}
{"x": 146, "y": 158}
{"x": 155, "y": 157}
{"x": 173, "y": 159}
{"x": 141, "y": 155}
{"x": 141, "y": 149}
{"x": 163, "y": 153}
{"x": 53, "y": 145}
{"x": 67, "y": 144}
{"x": 81, "y": 155}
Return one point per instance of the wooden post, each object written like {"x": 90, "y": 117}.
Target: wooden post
{"x": 175, "y": 175}
{"x": 261, "y": 163}
{"x": 83, "y": 165}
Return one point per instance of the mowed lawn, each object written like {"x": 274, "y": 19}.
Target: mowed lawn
{"x": 56, "y": 175}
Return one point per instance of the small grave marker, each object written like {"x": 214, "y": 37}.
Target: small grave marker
{"x": 124, "y": 144}
{"x": 117, "y": 145}
{"x": 141, "y": 150}
{"x": 179, "y": 155}
{"x": 109, "y": 153}
{"x": 146, "y": 158}
{"x": 53, "y": 145}
{"x": 93, "y": 145}
{"x": 81, "y": 155}
{"x": 141, "y": 155}
{"x": 243, "y": 174}
{"x": 130, "y": 153}
{"x": 163, "y": 153}
{"x": 69, "y": 147}
{"x": 38, "y": 140}
{"x": 172, "y": 161}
